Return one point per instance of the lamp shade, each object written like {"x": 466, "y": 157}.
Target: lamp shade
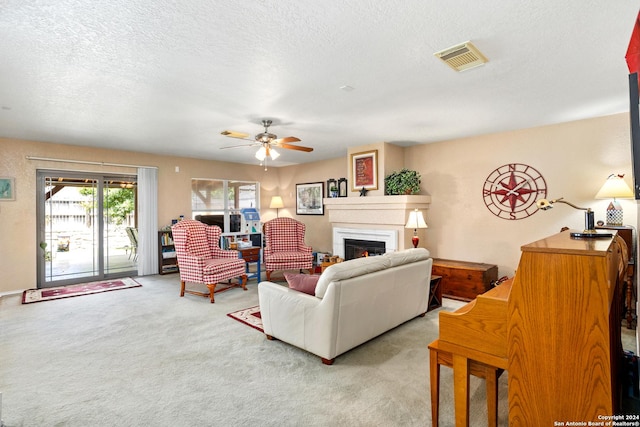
{"x": 261, "y": 153}
{"x": 276, "y": 202}
{"x": 615, "y": 187}
{"x": 416, "y": 220}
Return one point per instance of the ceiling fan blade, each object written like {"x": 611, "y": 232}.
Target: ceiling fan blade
{"x": 286, "y": 139}
{"x": 234, "y": 134}
{"x": 296, "y": 147}
{"x": 237, "y": 146}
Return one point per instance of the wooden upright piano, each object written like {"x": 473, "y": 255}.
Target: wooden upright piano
{"x": 555, "y": 328}
{"x": 563, "y": 333}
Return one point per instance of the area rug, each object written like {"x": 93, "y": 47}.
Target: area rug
{"x": 48, "y": 294}
{"x": 249, "y": 316}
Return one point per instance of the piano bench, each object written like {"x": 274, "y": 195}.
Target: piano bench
{"x": 438, "y": 357}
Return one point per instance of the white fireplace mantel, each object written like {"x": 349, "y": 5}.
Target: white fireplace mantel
{"x": 382, "y": 210}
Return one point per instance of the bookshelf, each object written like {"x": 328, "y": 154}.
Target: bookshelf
{"x": 167, "y": 260}
{"x": 240, "y": 240}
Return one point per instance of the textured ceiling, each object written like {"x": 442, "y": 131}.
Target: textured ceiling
{"x": 168, "y": 77}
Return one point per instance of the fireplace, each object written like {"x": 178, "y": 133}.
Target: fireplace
{"x": 379, "y": 218}
{"x": 355, "y": 248}
{"x": 385, "y": 240}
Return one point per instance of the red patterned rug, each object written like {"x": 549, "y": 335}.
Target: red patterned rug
{"x": 48, "y": 294}
{"x": 249, "y": 316}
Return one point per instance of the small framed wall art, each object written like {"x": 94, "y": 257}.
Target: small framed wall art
{"x": 7, "y": 188}
{"x": 364, "y": 170}
{"x": 342, "y": 187}
{"x": 309, "y": 198}
{"x": 332, "y": 188}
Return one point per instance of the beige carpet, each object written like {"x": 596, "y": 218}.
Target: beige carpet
{"x": 148, "y": 357}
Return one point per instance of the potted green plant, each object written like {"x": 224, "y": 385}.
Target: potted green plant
{"x": 402, "y": 182}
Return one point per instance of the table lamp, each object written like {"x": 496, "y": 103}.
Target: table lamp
{"x": 276, "y": 203}
{"x": 415, "y": 221}
{"x": 615, "y": 187}
{"x": 589, "y": 223}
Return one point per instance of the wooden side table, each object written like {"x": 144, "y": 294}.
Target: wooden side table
{"x": 251, "y": 255}
{"x": 329, "y": 263}
{"x": 435, "y": 293}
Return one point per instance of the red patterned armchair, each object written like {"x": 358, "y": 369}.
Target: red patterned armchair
{"x": 285, "y": 248}
{"x": 201, "y": 260}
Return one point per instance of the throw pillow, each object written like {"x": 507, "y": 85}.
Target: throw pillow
{"x": 302, "y": 282}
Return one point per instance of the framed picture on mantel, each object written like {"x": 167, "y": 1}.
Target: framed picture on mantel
{"x": 364, "y": 170}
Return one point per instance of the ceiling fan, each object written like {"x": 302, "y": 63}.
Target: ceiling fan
{"x": 266, "y": 142}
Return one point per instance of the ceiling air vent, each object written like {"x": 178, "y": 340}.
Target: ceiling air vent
{"x": 462, "y": 57}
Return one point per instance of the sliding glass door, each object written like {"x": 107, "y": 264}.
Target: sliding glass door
{"x": 86, "y": 227}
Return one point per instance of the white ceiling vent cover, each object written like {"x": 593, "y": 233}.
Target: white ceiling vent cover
{"x": 462, "y": 57}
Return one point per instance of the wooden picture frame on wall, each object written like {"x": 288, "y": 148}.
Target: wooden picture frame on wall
{"x": 364, "y": 170}
{"x": 7, "y": 188}
{"x": 309, "y": 198}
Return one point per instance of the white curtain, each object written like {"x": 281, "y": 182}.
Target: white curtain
{"x": 147, "y": 221}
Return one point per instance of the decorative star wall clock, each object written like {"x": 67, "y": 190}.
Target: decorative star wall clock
{"x": 511, "y": 191}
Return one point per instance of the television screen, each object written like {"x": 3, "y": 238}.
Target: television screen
{"x": 234, "y": 221}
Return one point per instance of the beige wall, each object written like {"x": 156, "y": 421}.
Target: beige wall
{"x": 574, "y": 158}
{"x": 318, "y": 233}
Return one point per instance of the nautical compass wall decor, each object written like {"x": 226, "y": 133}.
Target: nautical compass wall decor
{"x": 511, "y": 191}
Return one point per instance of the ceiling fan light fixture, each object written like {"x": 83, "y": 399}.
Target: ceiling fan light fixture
{"x": 261, "y": 154}
{"x": 265, "y": 137}
{"x": 266, "y": 141}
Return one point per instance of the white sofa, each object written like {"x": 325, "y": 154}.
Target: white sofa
{"x": 354, "y": 301}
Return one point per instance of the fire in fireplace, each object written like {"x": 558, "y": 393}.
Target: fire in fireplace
{"x": 354, "y": 248}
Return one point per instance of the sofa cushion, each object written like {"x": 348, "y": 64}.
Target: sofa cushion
{"x": 407, "y": 256}
{"x": 302, "y": 282}
{"x": 221, "y": 265}
{"x": 352, "y": 268}
{"x": 288, "y": 257}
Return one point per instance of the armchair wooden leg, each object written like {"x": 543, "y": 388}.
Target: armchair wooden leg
{"x": 269, "y": 275}
{"x": 182, "y": 286}
{"x": 212, "y": 288}
{"x": 244, "y": 282}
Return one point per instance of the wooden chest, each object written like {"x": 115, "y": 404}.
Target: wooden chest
{"x": 464, "y": 280}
